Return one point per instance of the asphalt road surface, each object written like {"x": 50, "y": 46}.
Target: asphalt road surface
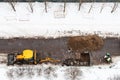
{"x": 57, "y": 48}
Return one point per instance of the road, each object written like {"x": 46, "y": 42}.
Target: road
{"x": 57, "y": 48}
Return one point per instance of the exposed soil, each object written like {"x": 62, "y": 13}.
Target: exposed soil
{"x": 85, "y": 43}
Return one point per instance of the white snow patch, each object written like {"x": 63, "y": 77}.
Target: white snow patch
{"x": 56, "y": 23}
{"x": 58, "y": 72}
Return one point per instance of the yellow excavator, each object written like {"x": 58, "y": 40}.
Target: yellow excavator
{"x": 28, "y": 57}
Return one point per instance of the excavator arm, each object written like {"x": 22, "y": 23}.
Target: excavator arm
{"x": 47, "y": 59}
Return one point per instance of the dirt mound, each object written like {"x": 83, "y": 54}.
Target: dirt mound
{"x": 83, "y": 43}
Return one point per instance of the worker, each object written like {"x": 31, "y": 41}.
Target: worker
{"x": 107, "y": 57}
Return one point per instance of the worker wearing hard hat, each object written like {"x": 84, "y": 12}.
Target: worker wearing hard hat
{"x": 107, "y": 57}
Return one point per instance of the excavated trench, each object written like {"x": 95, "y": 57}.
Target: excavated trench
{"x": 57, "y": 48}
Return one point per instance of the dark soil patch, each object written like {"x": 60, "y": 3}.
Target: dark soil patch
{"x": 85, "y": 43}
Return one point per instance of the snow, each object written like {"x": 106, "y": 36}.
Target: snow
{"x": 58, "y": 72}
{"x": 56, "y": 23}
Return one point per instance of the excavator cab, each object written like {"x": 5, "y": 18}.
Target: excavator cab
{"x": 26, "y": 57}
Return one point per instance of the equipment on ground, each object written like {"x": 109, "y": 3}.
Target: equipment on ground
{"x": 84, "y": 60}
{"x": 28, "y": 57}
{"x": 31, "y": 57}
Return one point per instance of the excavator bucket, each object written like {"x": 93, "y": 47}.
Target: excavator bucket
{"x": 83, "y": 61}
{"x": 10, "y": 59}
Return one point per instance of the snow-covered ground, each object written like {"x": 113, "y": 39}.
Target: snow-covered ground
{"x": 58, "y": 72}
{"x": 56, "y": 23}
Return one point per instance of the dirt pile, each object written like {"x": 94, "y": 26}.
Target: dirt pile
{"x": 83, "y": 43}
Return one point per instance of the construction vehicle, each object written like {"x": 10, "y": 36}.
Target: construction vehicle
{"x": 28, "y": 57}
{"x": 31, "y": 57}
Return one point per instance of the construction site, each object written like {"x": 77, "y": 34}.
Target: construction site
{"x": 89, "y": 49}
{"x": 59, "y": 39}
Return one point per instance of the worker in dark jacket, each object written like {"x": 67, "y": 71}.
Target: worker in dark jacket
{"x": 107, "y": 57}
